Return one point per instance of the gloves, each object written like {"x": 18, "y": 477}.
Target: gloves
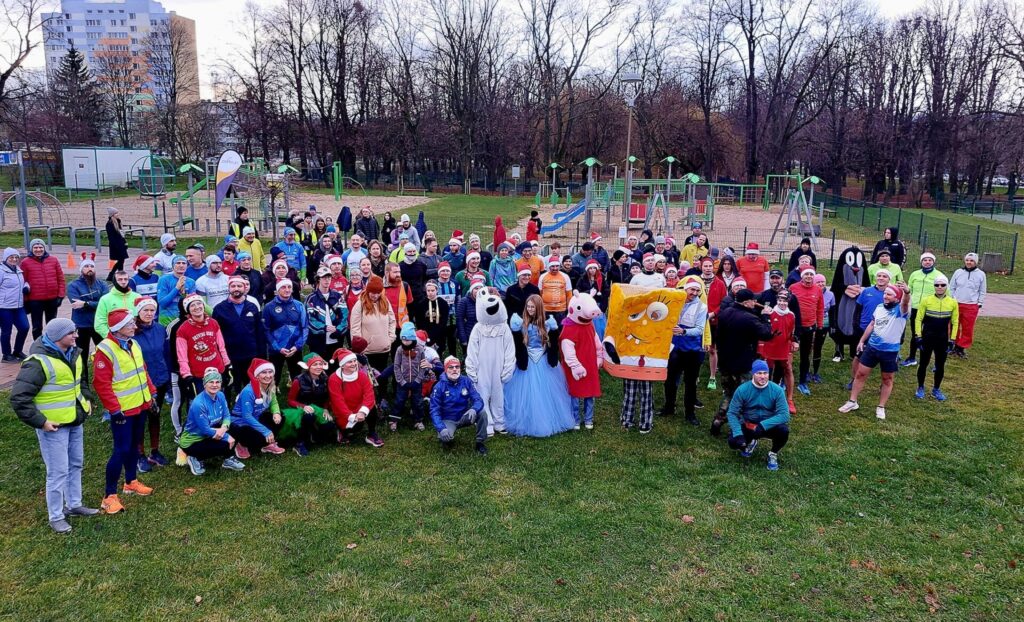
{"x": 550, "y": 323}
{"x": 737, "y": 442}
{"x": 471, "y": 415}
{"x": 951, "y": 345}
{"x": 446, "y": 435}
{"x": 117, "y": 417}
{"x": 154, "y": 407}
{"x": 516, "y": 323}
{"x": 578, "y": 371}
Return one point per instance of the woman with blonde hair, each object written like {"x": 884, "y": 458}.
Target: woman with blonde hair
{"x": 536, "y": 397}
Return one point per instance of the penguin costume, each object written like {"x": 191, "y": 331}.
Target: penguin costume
{"x": 850, "y": 276}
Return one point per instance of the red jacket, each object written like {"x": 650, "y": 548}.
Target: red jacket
{"x": 716, "y": 293}
{"x": 103, "y": 378}
{"x": 200, "y": 346}
{"x": 45, "y": 277}
{"x": 778, "y": 348}
{"x": 812, "y": 304}
{"x": 348, "y": 397}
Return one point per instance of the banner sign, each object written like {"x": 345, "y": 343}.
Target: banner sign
{"x": 228, "y": 165}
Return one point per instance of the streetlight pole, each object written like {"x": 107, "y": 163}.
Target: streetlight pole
{"x": 631, "y": 88}
{"x": 23, "y": 199}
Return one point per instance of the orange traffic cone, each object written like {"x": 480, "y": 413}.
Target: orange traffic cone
{"x": 72, "y": 264}
{"x": 110, "y": 264}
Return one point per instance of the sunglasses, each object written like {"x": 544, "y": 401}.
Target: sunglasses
{"x": 937, "y": 285}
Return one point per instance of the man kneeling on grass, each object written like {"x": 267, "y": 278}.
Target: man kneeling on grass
{"x": 758, "y": 410}
{"x": 206, "y": 431}
{"x": 454, "y": 404}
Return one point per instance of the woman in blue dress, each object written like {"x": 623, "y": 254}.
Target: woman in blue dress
{"x": 536, "y": 398}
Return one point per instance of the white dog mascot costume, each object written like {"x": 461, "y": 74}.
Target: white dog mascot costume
{"x": 491, "y": 357}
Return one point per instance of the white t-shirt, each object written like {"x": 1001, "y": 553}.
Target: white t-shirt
{"x": 215, "y": 290}
{"x": 651, "y": 281}
{"x": 889, "y": 326}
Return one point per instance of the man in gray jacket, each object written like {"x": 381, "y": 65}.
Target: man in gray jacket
{"x": 49, "y": 396}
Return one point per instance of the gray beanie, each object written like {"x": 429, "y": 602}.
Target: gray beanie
{"x": 36, "y": 241}
{"x": 58, "y": 328}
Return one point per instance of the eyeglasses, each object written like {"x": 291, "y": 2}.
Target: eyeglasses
{"x": 937, "y": 285}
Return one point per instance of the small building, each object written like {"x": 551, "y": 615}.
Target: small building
{"x": 92, "y": 168}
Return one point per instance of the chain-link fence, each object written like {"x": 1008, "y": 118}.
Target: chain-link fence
{"x": 925, "y": 231}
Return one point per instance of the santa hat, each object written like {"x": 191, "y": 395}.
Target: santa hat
{"x": 444, "y": 265}
{"x": 738, "y": 281}
{"x": 458, "y": 235}
{"x": 118, "y": 319}
{"x": 257, "y": 367}
{"x": 808, "y": 270}
{"x": 472, "y": 255}
{"x": 343, "y": 356}
{"x": 595, "y": 237}
{"x": 896, "y": 291}
{"x": 670, "y": 241}
{"x": 144, "y": 301}
{"x": 927, "y": 256}
{"x": 455, "y": 242}
{"x": 422, "y": 337}
{"x": 474, "y": 237}
{"x": 281, "y": 283}
{"x": 142, "y": 262}
{"x": 311, "y": 358}
{"x": 753, "y": 249}
{"x": 593, "y": 263}
{"x": 647, "y": 256}
{"x": 524, "y": 268}
{"x": 190, "y": 299}
{"x": 671, "y": 269}
{"x": 237, "y": 278}
{"x": 277, "y": 263}
{"x": 452, "y": 361}
{"x": 693, "y": 282}
{"x": 333, "y": 259}
{"x": 554, "y": 260}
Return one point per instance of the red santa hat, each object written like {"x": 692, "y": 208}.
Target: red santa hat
{"x": 281, "y": 283}
{"x": 343, "y": 356}
{"x": 458, "y": 235}
{"x": 524, "y": 268}
{"x": 554, "y": 260}
{"x": 279, "y": 261}
{"x": 238, "y": 278}
{"x": 145, "y": 301}
{"x": 142, "y": 262}
{"x": 753, "y": 249}
{"x": 472, "y": 255}
{"x": 595, "y": 237}
{"x": 593, "y": 263}
{"x": 118, "y": 319}
{"x": 190, "y": 299}
{"x": 444, "y": 265}
{"x": 808, "y": 270}
{"x": 330, "y": 260}
{"x": 896, "y": 291}
{"x": 257, "y": 367}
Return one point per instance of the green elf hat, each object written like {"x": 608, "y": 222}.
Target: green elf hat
{"x": 310, "y": 358}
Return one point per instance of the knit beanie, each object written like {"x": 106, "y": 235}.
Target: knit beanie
{"x": 408, "y": 331}
{"x": 376, "y": 285}
{"x": 58, "y": 328}
{"x": 359, "y": 344}
{"x": 759, "y": 366}
{"x": 211, "y": 375}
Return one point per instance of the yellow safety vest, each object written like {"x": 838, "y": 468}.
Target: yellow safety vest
{"x": 57, "y": 398}
{"x": 130, "y": 382}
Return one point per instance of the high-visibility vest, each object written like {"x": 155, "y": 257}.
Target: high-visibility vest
{"x": 129, "y": 382}
{"x": 56, "y": 399}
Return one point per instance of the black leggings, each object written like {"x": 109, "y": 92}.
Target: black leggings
{"x": 208, "y": 448}
{"x": 819, "y": 343}
{"x": 928, "y": 346}
{"x": 806, "y": 345}
{"x": 280, "y": 361}
{"x": 779, "y": 436}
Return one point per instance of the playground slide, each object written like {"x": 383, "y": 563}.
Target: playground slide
{"x": 196, "y": 187}
{"x": 564, "y": 218}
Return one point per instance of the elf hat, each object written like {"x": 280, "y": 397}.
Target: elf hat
{"x": 308, "y": 360}
{"x": 257, "y": 367}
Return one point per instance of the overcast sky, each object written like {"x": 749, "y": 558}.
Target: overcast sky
{"x": 215, "y": 28}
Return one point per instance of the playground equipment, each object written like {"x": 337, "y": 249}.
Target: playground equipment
{"x": 797, "y": 211}
{"x": 50, "y": 210}
{"x": 152, "y": 174}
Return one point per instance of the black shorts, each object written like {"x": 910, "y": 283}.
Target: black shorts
{"x": 714, "y": 334}
{"x": 871, "y": 357}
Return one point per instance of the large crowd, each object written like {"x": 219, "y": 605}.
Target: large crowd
{"x": 396, "y": 327}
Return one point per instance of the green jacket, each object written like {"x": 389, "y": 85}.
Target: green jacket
{"x": 110, "y": 301}
{"x": 921, "y": 286}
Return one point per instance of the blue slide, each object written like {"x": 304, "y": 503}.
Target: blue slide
{"x": 564, "y": 218}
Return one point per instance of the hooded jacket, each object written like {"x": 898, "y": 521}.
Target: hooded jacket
{"x": 897, "y": 251}
{"x": 368, "y": 228}
{"x": 45, "y": 277}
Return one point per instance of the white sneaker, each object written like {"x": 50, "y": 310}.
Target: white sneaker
{"x": 589, "y": 426}
{"x": 576, "y": 427}
{"x": 880, "y": 412}
{"x": 837, "y": 359}
{"x": 850, "y": 405}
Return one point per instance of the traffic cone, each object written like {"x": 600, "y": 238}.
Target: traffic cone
{"x": 110, "y": 264}
{"x": 71, "y": 261}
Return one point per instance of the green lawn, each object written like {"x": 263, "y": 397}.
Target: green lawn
{"x": 919, "y": 517}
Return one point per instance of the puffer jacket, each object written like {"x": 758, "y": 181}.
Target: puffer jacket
{"x": 153, "y": 341}
{"x": 450, "y": 400}
{"x": 45, "y": 277}
{"x": 12, "y": 287}
{"x": 79, "y": 289}
{"x": 285, "y": 321}
{"x": 378, "y": 329}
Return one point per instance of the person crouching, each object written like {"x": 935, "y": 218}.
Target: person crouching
{"x": 455, "y": 404}
{"x": 256, "y": 415}
{"x": 207, "y": 428}
{"x": 758, "y": 410}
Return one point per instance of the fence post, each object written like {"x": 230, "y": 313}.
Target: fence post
{"x": 899, "y": 218}
{"x": 920, "y": 226}
{"x": 863, "y": 213}
{"x": 924, "y": 245}
{"x": 744, "y": 237}
{"x": 945, "y": 237}
{"x": 977, "y": 238}
{"x": 1013, "y": 257}
{"x": 832, "y": 250}
{"x": 93, "y": 203}
{"x": 878, "y": 226}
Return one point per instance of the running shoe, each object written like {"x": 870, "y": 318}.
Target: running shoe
{"x": 938, "y": 394}
{"x": 576, "y": 427}
{"x": 693, "y": 420}
{"x": 60, "y": 526}
{"x": 749, "y": 450}
{"x": 241, "y": 452}
{"x": 232, "y": 463}
{"x": 920, "y": 393}
{"x": 300, "y": 448}
{"x": 712, "y": 384}
{"x": 803, "y": 388}
{"x": 111, "y": 505}
{"x": 589, "y": 426}
{"x": 697, "y": 403}
{"x": 816, "y": 378}
{"x": 909, "y": 363}
{"x": 195, "y": 466}
{"x": 481, "y": 448}
{"x": 645, "y": 429}
{"x": 419, "y": 427}
{"x": 773, "y": 461}
{"x": 273, "y": 448}
{"x": 143, "y": 465}
{"x": 880, "y": 413}
{"x": 849, "y": 406}
{"x": 837, "y": 359}
{"x": 374, "y": 441}
{"x": 157, "y": 458}
{"x": 135, "y": 487}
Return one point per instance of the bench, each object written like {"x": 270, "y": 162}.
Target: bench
{"x": 828, "y": 213}
{"x": 174, "y": 227}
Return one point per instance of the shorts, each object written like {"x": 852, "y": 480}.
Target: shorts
{"x": 714, "y": 334}
{"x": 887, "y": 360}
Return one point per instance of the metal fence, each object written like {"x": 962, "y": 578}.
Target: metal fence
{"x": 925, "y": 231}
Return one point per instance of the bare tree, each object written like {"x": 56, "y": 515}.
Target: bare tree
{"x": 171, "y": 57}
{"x": 708, "y": 65}
{"x": 21, "y": 22}
{"x": 120, "y": 78}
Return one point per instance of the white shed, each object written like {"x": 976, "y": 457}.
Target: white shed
{"x": 89, "y": 168}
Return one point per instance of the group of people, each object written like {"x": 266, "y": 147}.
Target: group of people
{"x": 397, "y": 325}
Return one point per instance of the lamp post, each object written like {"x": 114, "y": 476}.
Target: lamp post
{"x": 631, "y": 81}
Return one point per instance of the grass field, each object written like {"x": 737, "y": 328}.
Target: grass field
{"x": 919, "y": 517}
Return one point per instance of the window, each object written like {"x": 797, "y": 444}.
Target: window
{"x": 67, "y": 16}
{"x": 134, "y": 28}
{"x": 69, "y": 28}
{"x": 135, "y": 41}
{"x": 131, "y": 16}
{"x": 113, "y": 22}
{"x": 92, "y": 22}
{"x": 92, "y": 35}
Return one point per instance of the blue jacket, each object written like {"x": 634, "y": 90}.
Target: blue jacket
{"x": 318, "y": 308}
{"x": 456, "y": 260}
{"x": 450, "y": 400}
{"x": 285, "y": 321}
{"x": 465, "y": 318}
{"x": 247, "y": 412}
{"x": 691, "y": 320}
{"x": 90, "y": 295}
{"x": 153, "y": 341}
{"x": 294, "y": 254}
{"x": 146, "y": 286}
{"x": 602, "y": 258}
{"x": 243, "y": 332}
{"x": 195, "y": 273}
{"x": 766, "y": 406}
{"x": 206, "y": 414}
{"x": 167, "y": 295}
{"x": 345, "y": 218}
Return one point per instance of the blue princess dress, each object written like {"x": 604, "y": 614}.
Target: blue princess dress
{"x": 536, "y": 398}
